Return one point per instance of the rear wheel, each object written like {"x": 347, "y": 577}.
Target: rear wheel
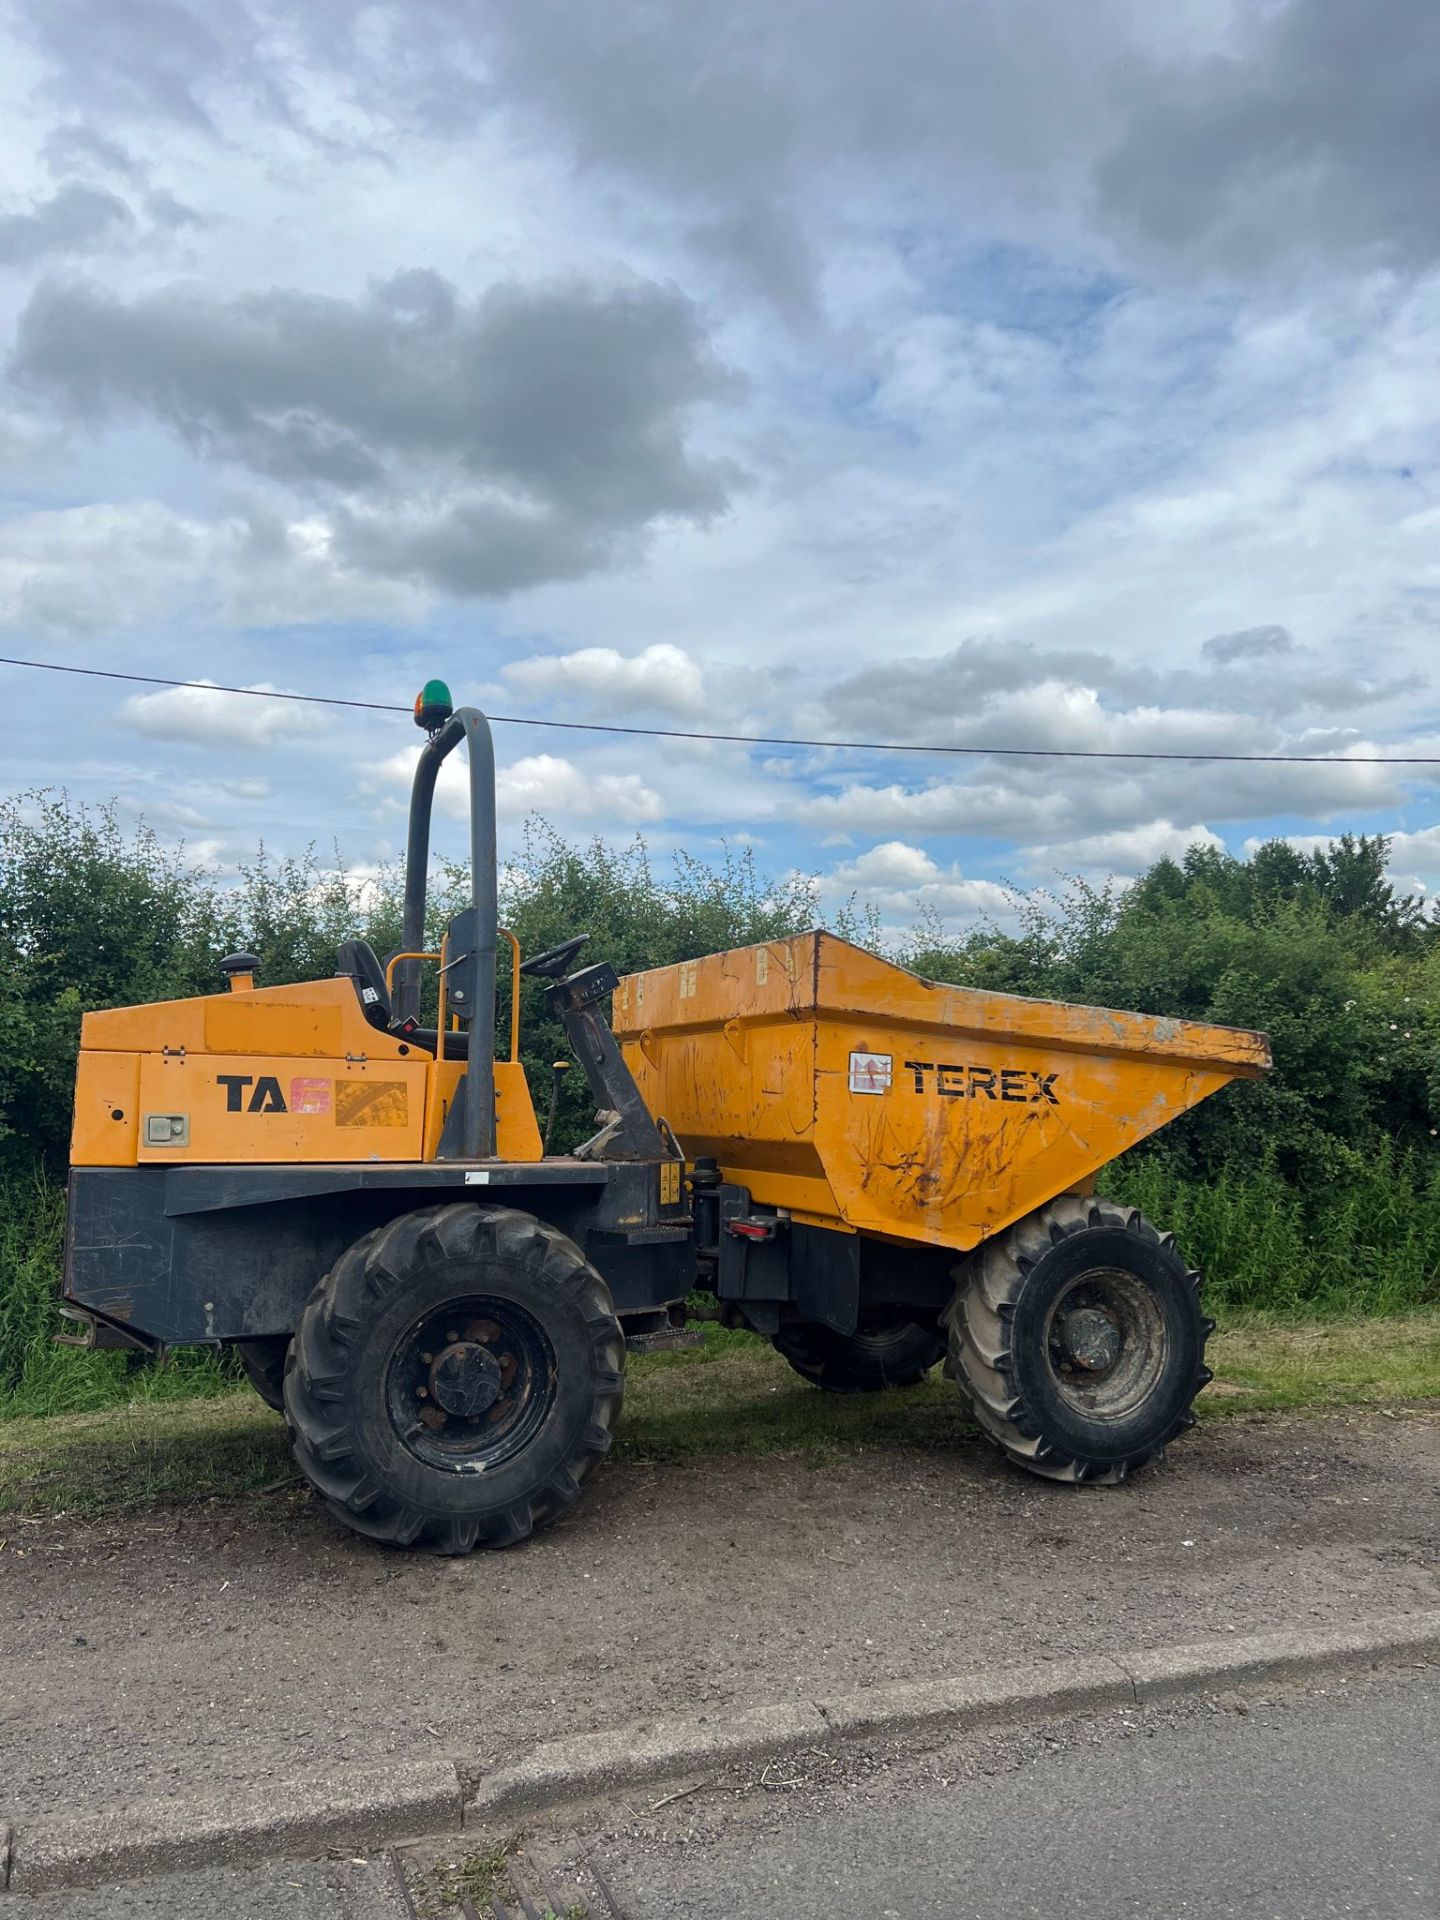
{"x": 863, "y": 1362}
{"x": 456, "y": 1376}
{"x": 264, "y": 1364}
{"x": 1077, "y": 1338}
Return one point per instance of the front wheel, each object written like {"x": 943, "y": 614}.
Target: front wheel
{"x": 1078, "y": 1340}
{"x": 455, "y": 1377}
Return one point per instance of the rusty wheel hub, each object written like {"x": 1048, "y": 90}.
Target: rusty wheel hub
{"x": 465, "y": 1379}
{"x": 1106, "y": 1343}
{"x": 471, "y": 1383}
{"x": 1090, "y": 1339}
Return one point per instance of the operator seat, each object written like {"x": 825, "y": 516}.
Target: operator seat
{"x": 357, "y": 962}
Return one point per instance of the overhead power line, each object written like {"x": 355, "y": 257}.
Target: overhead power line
{"x": 757, "y": 739}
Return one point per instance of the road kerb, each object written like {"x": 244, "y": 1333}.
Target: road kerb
{"x": 1039, "y": 1689}
{"x": 565, "y": 1772}
{"x": 237, "y": 1825}
{"x": 595, "y": 1764}
{"x": 368, "y": 1806}
{"x": 1161, "y": 1673}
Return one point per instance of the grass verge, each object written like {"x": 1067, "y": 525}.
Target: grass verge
{"x": 731, "y": 1396}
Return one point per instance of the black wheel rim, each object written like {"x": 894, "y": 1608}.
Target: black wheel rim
{"x": 1106, "y": 1343}
{"x": 470, "y": 1384}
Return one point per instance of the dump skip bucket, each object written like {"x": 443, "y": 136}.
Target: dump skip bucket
{"x": 856, "y": 1095}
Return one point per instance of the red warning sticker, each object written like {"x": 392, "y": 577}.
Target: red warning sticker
{"x": 870, "y": 1072}
{"x": 310, "y": 1096}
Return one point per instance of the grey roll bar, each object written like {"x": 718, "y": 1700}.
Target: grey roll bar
{"x": 471, "y": 726}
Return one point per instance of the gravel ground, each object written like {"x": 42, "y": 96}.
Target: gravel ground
{"x": 252, "y": 1639}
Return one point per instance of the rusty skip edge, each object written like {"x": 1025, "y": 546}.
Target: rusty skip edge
{"x": 1249, "y": 1062}
{"x": 846, "y": 982}
{"x": 1244, "y": 1055}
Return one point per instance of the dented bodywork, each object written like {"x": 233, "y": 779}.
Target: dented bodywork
{"x": 854, "y": 1095}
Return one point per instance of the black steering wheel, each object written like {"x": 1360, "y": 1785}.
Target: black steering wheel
{"x": 550, "y": 964}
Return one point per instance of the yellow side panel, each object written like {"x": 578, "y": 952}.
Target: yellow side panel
{"x": 443, "y": 1077}
{"x": 251, "y": 1023}
{"x": 250, "y": 1111}
{"x": 107, "y": 1110}
{"x": 517, "y": 1136}
{"x": 966, "y": 1138}
{"x": 746, "y": 1094}
{"x": 777, "y": 979}
{"x": 318, "y": 1019}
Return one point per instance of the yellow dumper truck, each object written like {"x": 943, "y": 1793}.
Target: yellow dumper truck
{"x": 874, "y": 1172}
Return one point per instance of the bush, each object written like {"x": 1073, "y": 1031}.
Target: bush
{"x": 38, "y": 1376}
{"x": 1371, "y": 1246}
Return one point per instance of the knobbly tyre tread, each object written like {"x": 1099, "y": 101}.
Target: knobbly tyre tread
{"x": 365, "y": 1278}
{"x": 859, "y": 1363}
{"x": 264, "y": 1364}
{"x": 978, "y": 1322}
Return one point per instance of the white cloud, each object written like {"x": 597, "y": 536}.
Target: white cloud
{"x": 662, "y": 677}
{"x": 1049, "y": 803}
{"x": 203, "y": 853}
{"x": 1415, "y": 861}
{"x": 904, "y": 882}
{"x": 545, "y": 784}
{"x": 97, "y": 567}
{"x": 540, "y": 783}
{"x": 207, "y": 716}
{"x": 1128, "y": 852}
{"x": 365, "y": 885}
{"x": 985, "y": 807}
{"x": 890, "y": 864}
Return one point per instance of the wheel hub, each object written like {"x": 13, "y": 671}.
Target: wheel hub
{"x": 1091, "y": 1339}
{"x": 465, "y": 1379}
{"x": 470, "y": 1383}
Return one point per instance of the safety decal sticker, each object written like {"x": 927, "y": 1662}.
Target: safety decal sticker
{"x": 371, "y": 1103}
{"x": 871, "y": 1072}
{"x": 309, "y": 1096}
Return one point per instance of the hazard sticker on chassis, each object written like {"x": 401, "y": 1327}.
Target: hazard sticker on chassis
{"x": 310, "y": 1096}
{"x": 870, "y": 1072}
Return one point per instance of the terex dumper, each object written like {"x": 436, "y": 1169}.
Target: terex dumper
{"x": 873, "y": 1172}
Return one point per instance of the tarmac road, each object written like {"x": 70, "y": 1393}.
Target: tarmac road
{"x": 1323, "y": 1807}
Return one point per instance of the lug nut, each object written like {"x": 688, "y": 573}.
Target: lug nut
{"x": 422, "y": 1393}
{"x": 451, "y": 1337}
{"x": 427, "y": 1359}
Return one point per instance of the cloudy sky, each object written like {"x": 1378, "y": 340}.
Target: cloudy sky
{"x": 996, "y": 374}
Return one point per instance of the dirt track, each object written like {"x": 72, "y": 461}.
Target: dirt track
{"x": 255, "y": 1638}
